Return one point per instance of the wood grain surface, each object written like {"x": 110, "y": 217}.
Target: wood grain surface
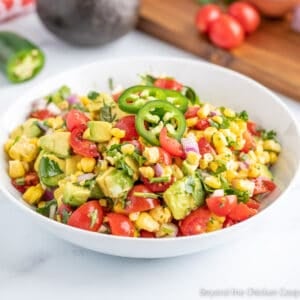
{"x": 271, "y": 55}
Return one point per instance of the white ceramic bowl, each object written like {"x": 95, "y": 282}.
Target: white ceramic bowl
{"x": 215, "y": 84}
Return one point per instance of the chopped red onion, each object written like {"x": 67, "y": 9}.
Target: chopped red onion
{"x": 190, "y": 144}
{"x": 72, "y": 99}
{"x": 158, "y": 169}
{"x": 86, "y": 176}
{"x": 48, "y": 195}
{"x": 217, "y": 193}
{"x": 54, "y": 109}
{"x": 296, "y": 19}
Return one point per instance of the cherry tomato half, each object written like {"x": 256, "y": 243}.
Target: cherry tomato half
{"x": 253, "y": 204}
{"x": 205, "y": 147}
{"x": 30, "y": 179}
{"x": 76, "y": 118}
{"x": 171, "y": 145}
{"x": 147, "y": 234}
{"x": 242, "y": 212}
{"x": 191, "y": 112}
{"x": 252, "y": 128}
{"x": 263, "y": 185}
{"x": 246, "y": 15}
{"x": 136, "y": 204}
{"x": 42, "y": 114}
{"x": 88, "y": 216}
{"x": 195, "y": 222}
{"x": 127, "y": 124}
{"x": 157, "y": 187}
{"x": 164, "y": 157}
{"x": 120, "y": 225}
{"x": 226, "y": 32}
{"x": 250, "y": 143}
{"x": 81, "y": 146}
{"x": 222, "y": 206}
{"x": 202, "y": 124}
{"x": 168, "y": 83}
{"x": 206, "y": 15}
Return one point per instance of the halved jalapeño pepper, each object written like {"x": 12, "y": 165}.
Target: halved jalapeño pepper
{"x": 154, "y": 116}
{"x": 132, "y": 99}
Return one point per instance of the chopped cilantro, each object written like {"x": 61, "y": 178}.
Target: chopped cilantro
{"x": 148, "y": 79}
{"x": 93, "y": 95}
{"x": 243, "y": 115}
{"x": 106, "y": 114}
{"x": 111, "y": 83}
{"x": 268, "y": 135}
{"x": 243, "y": 196}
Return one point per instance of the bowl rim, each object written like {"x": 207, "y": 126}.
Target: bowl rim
{"x": 150, "y": 59}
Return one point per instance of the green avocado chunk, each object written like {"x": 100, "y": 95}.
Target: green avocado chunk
{"x": 265, "y": 171}
{"x": 98, "y": 131}
{"x": 31, "y": 129}
{"x": 114, "y": 183}
{"x": 75, "y": 195}
{"x": 57, "y": 143}
{"x": 184, "y": 195}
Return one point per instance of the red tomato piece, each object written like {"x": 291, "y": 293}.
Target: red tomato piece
{"x": 253, "y": 204}
{"x": 136, "y": 203}
{"x": 171, "y": 145}
{"x": 252, "y": 128}
{"x": 76, "y": 118}
{"x": 191, "y": 112}
{"x": 246, "y": 15}
{"x": 88, "y": 216}
{"x": 202, "y": 124}
{"x": 81, "y": 146}
{"x": 263, "y": 185}
{"x": 206, "y": 15}
{"x": 157, "y": 187}
{"x": 242, "y": 212}
{"x": 205, "y": 147}
{"x": 147, "y": 234}
{"x": 127, "y": 124}
{"x": 250, "y": 143}
{"x": 30, "y": 179}
{"x": 164, "y": 157}
{"x": 64, "y": 211}
{"x": 222, "y": 206}
{"x": 120, "y": 225}
{"x": 228, "y": 222}
{"x": 226, "y": 32}
{"x": 19, "y": 187}
{"x": 168, "y": 83}
{"x": 42, "y": 114}
{"x": 195, "y": 222}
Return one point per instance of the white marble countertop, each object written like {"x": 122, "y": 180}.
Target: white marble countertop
{"x": 36, "y": 265}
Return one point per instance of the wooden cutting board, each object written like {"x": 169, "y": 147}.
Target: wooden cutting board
{"x": 271, "y": 55}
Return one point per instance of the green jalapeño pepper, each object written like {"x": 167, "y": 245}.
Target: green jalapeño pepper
{"x": 189, "y": 93}
{"x": 132, "y": 99}
{"x": 154, "y": 116}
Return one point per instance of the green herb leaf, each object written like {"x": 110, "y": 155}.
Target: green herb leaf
{"x": 106, "y": 114}
{"x": 160, "y": 179}
{"x": 268, "y": 135}
{"x": 243, "y": 115}
{"x": 93, "y": 95}
{"x": 243, "y": 196}
{"x": 49, "y": 168}
{"x": 148, "y": 79}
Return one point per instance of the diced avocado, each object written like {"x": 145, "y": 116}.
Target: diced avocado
{"x": 183, "y": 196}
{"x": 57, "y": 143}
{"x": 98, "y": 131}
{"x": 134, "y": 167}
{"x": 75, "y": 195}
{"x": 188, "y": 169}
{"x": 50, "y": 170}
{"x": 71, "y": 164}
{"x": 265, "y": 172}
{"x": 114, "y": 183}
{"x": 60, "y": 95}
{"x": 31, "y": 129}
{"x": 96, "y": 192}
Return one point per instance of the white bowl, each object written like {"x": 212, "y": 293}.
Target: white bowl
{"x": 215, "y": 84}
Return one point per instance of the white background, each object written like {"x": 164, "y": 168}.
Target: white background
{"x": 36, "y": 265}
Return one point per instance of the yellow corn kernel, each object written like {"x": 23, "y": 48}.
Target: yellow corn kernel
{"x": 259, "y": 149}
{"x": 254, "y": 171}
{"x": 214, "y": 166}
{"x": 161, "y": 214}
{"x": 252, "y": 157}
{"x": 227, "y": 112}
{"x": 118, "y": 133}
{"x": 264, "y": 158}
{"x": 197, "y": 133}
{"x": 213, "y": 182}
{"x": 15, "y": 169}
{"x": 78, "y": 166}
{"x": 87, "y": 164}
{"x": 203, "y": 164}
{"x": 239, "y": 143}
{"x": 55, "y": 123}
{"x": 8, "y": 145}
{"x": 193, "y": 158}
{"x": 63, "y": 105}
{"x": 191, "y": 122}
{"x": 218, "y": 119}
{"x": 41, "y": 204}
{"x": 203, "y": 111}
{"x": 24, "y": 149}
{"x": 119, "y": 208}
{"x": 85, "y": 100}
{"x": 233, "y": 126}
{"x": 102, "y": 165}
{"x": 127, "y": 149}
{"x": 215, "y": 223}
{"x": 271, "y": 145}
{"x": 219, "y": 140}
{"x": 242, "y": 125}
{"x": 26, "y": 166}
{"x": 243, "y": 174}
{"x": 33, "y": 194}
{"x": 151, "y": 154}
{"x": 244, "y": 185}
{"x": 209, "y": 132}
{"x": 177, "y": 172}
{"x": 134, "y": 216}
{"x": 230, "y": 175}
{"x": 146, "y": 222}
{"x": 103, "y": 202}
{"x": 208, "y": 157}
{"x": 273, "y": 157}
{"x": 58, "y": 195}
{"x": 147, "y": 172}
